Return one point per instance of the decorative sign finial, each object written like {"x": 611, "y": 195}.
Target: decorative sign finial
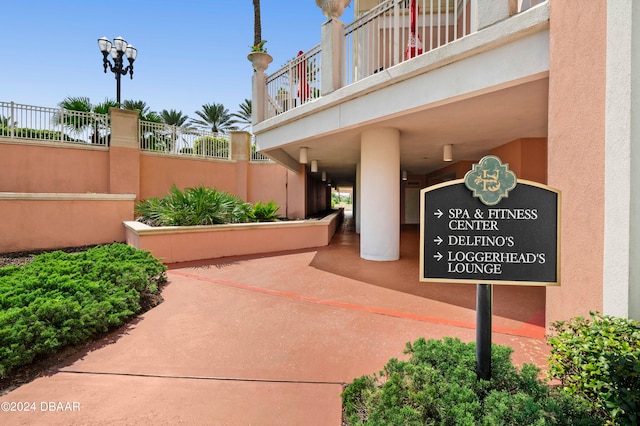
{"x": 490, "y": 180}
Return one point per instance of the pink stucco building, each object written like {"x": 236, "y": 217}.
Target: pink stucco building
{"x": 549, "y": 86}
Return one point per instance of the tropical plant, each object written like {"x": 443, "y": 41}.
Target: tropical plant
{"x": 144, "y": 112}
{"x": 215, "y": 117}
{"x": 244, "y": 114}
{"x": 265, "y": 212}
{"x": 105, "y": 106}
{"x": 177, "y": 125}
{"x": 174, "y": 118}
{"x": 79, "y": 124}
{"x": 193, "y": 206}
{"x": 6, "y": 122}
{"x": 259, "y": 47}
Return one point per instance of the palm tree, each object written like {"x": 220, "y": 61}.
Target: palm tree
{"x": 257, "y": 25}
{"x": 144, "y": 112}
{"x": 103, "y": 107}
{"x": 7, "y": 122}
{"x": 244, "y": 114}
{"x": 77, "y": 124}
{"x": 174, "y": 118}
{"x": 177, "y": 121}
{"x": 216, "y": 117}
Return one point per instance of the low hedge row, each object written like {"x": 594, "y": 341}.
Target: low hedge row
{"x": 62, "y": 299}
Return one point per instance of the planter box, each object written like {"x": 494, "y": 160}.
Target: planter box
{"x": 173, "y": 244}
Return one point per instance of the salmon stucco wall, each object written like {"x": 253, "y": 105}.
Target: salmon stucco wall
{"x": 52, "y": 221}
{"x": 527, "y": 157}
{"x": 267, "y": 182}
{"x": 159, "y": 172}
{"x": 576, "y": 151}
{"x": 35, "y": 167}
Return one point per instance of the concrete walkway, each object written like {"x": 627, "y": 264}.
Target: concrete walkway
{"x": 268, "y": 340}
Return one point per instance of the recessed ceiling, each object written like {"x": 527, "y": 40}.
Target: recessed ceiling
{"x": 473, "y": 126}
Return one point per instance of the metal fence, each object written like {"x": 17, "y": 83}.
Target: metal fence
{"x": 257, "y": 157}
{"x": 390, "y": 33}
{"x": 164, "y": 138}
{"x": 18, "y": 121}
{"x": 393, "y": 32}
{"x": 296, "y": 83}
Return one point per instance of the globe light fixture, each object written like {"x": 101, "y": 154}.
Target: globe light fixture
{"x": 118, "y": 50}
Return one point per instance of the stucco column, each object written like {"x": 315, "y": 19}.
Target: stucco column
{"x": 356, "y": 202}
{"x": 332, "y": 49}
{"x": 124, "y": 153}
{"x": 380, "y": 194}
{"x": 240, "y": 142}
{"x": 259, "y": 97}
{"x": 621, "y": 272}
{"x": 487, "y": 12}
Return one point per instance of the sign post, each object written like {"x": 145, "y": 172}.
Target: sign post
{"x": 489, "y": 228}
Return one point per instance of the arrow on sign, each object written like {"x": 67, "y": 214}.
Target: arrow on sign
{"x": 437, "y": 240}
{"x": 438, "y": 213}
{"x": 437, "y": 256}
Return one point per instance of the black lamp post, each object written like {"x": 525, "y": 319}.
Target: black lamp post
{"x": 117, "y": 49}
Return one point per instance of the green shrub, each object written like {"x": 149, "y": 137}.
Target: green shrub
{"x": 211, "y": 146}
{"x": 265, "y": 212}
{"x": 41, "y": 134}
{"x": 599, "y": 359}
{"x": 438, "y": 385}
{"x": 62, "y": 299}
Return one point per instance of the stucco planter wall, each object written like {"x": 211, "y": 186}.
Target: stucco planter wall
{"x": 32, "y": 221}
{"x": 173, "y": 244}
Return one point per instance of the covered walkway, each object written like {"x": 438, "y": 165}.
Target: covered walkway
{"x": 270, "y": 340}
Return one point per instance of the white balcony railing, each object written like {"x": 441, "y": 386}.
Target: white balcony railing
{"x": 392, "y": 33}
{"x": 163, "y": 138}
{"x": 18, "y": 121}
{"x": 527, "y": 4}
{"x": 296, "y": 83}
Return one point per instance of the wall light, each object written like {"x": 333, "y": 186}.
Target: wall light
{"x": 447, "y": 153}
{"x": 404, "y": 175}
{"x": 314, "y": 166}
{"x": 303, "y": 155}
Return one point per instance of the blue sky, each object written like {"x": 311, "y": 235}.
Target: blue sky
{"x": 190, "y": 52}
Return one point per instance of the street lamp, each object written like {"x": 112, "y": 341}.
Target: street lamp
{"x": 117, "y": 49}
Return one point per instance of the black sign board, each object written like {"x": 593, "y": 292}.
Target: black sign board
{"x": 515, "y": 241}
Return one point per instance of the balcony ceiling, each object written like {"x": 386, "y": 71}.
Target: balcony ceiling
{"x": 473, "y": 126}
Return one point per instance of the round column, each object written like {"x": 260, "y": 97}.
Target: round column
{"x": 380, "y": 194}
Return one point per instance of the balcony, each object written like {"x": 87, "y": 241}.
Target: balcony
{"x": 442, "y": 71}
